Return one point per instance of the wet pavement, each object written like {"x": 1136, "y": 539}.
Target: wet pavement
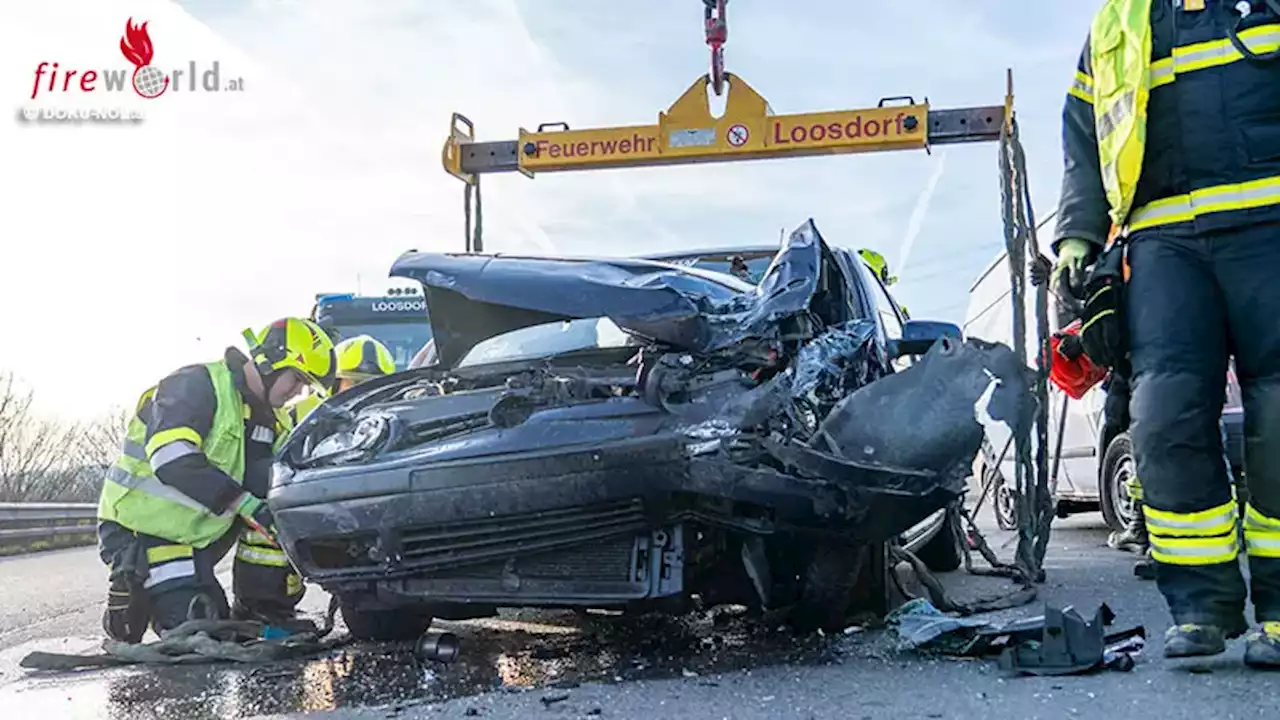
{"x": 710, "y": 664}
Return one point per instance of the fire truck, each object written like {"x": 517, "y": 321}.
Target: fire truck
{"x": 398, "y": 319}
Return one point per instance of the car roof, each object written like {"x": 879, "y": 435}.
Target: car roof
{"x": 748, "y": 250}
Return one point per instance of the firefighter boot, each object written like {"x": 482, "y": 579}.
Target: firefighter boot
{"x": 1262, "y": 647}
{"x": 1145, "y": 569}
{"x": 1190, "y": 640}
{"x": 1133, "y": 538}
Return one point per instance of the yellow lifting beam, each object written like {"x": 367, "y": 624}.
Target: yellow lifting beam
{"x": 688, "y": 133}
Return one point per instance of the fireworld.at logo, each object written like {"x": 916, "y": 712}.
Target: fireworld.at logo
{"x": 147, "y": 80}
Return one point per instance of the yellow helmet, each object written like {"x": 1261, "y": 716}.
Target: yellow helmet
{"x": 362, "y": 357}
{"x": 294, "y": 343}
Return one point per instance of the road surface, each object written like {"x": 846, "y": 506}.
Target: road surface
{"x": 556, "y": 665}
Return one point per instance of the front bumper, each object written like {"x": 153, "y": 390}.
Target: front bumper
{"x": 604, "y": 523}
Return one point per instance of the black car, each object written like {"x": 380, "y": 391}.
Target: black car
{"x": 630, "y": 434}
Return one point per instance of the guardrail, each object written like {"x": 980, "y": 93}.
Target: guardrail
{"x": 22, "y": 523}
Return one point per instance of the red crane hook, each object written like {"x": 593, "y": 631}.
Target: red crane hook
{"x": 717, "y": 33}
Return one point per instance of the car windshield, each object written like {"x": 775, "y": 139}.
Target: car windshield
{"x": 548, "y": 340}
{"x": 402, "y": 339}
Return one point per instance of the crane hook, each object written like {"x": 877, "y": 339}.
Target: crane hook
{"x": 717, "y": 33}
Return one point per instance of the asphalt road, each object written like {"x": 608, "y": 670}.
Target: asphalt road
{"x": 530, "y": 665}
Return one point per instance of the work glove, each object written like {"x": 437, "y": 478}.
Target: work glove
{"x": 128, "y": 610}
{"x": 1074, "y": 255}
{"x": 257, "y": 516}
{"x": 1070, "y": 346}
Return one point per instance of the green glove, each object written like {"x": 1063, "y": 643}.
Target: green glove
{"x": 1073, "y": 255}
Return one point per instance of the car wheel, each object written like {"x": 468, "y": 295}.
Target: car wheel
{"x": 829, "y": 581}
{"x": 943, "y": 552}
{"x": 385, "y": 625}
{"x": 1118, "y": 469}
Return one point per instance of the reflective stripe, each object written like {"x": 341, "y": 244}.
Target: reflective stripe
{"x": 165, "y": 553}
{"x": 1261, "y": 543}
{"x": 1196, "y": 550}
{"x": 1255, "y": 520}
{"x": 170, "y": 571}
{"x": 1213, "y": 53}
{"x": 164, "y": 437}
{"x": 1118, "y": 112}
{"x": 135, "y": 451}
{"x": 1135, "y": 489}
{"x": 262, "y": 556}
{"x": 262, "y": 434}
{"x": 1216, "y": 521}
{"x": 1222, "y": 198}
{"x": 151, "y": 486}
{"x": 174, "y": 450}
{"x": 1082, "y": 87}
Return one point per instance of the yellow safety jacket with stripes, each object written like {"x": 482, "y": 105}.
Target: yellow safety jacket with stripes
{"x": 1167, "y": 121}
{"x": 134, "y": 497}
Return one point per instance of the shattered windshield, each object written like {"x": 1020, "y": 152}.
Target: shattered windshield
{"x": 548, "y": 340}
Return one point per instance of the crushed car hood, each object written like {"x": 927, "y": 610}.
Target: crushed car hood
{"x": 471, "y": 298}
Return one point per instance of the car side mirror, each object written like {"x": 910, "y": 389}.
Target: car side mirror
{"x": 920, "y": 335}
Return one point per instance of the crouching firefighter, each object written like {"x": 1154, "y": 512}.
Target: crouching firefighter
{"x": 359, "y": 358}
{"x": 1169, "y": 136}
{"x": 190, "y": 482}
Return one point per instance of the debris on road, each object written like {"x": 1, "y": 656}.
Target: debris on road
{"x": 1060, "y": 642}
{"x": 437, "y": 646}
{"x": 200, "y": 641}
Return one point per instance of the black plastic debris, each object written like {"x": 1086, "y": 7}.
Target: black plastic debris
{"x": 1059, "y": 642}
{"x": 437, "y": 647}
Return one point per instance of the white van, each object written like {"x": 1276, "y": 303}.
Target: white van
{"x": 1093, "y": 467}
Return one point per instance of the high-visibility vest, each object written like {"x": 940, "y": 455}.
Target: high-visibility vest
{"x": 133, "y": 497}
{"x": 299, "y": 410}
{"x": 1120, "y": 58}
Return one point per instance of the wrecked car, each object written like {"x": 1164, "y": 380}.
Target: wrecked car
{"x": 632, "y": 435}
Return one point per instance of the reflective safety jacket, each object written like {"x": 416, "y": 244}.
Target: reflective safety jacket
{"x": 1168, "y": 123}
{"x": 195, "y": 506}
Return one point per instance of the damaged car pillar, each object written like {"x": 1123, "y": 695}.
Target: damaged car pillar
{"x": 630, "y": 434}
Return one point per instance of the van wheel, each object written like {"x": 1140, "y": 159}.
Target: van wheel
{"x": 1118, "y": 469}
{"x": 385, "y": 625}
{"x": 1004, "y": 497}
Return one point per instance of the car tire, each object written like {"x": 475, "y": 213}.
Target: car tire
{"x": 1118, "y": 465}
{"x": 943, "y": 552}
{"x": 385, "y": 625}
{"x": 829, "y": 581}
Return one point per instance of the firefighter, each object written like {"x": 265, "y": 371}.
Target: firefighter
{"x": 1171, "y": 135}
{"x": 190, "y": 481}
{"x": 359, "y": 358}
{"x": 879, "y": 266}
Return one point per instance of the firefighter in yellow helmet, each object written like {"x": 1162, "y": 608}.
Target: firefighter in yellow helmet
{"x": 190, "y": 481}
{"x": 879, "y": 266}
{"x": 359, "y": 358}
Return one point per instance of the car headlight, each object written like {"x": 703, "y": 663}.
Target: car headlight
{"x": 281, "y": 474}
{"x": 365, "y": 434}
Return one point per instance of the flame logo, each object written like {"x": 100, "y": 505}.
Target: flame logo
{"x": 136, "y": 44}
{"x": 148, "y": 81}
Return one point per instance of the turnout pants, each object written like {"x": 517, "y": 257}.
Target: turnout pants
{"x": 1193, "y": 300}
{"x": 179, "y": 580}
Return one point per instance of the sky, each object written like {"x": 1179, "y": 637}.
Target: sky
{"x": 131, "y": 250}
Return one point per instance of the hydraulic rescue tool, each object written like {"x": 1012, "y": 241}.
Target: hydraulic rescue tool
{"x": 688, "y": 133}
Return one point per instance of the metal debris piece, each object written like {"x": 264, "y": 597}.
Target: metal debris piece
{"x": 437, "y": 646}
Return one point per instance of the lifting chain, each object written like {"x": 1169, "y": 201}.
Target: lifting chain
{"x": 716, "y": 27}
